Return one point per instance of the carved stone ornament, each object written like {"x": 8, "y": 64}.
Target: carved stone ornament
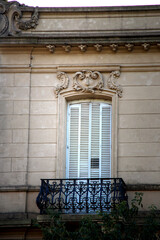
{"x": 10, "y": 18}
{"x": 88, "y": 81}
{"x": 67, "y": 48}
{"x": 129, "y": 46}
{"x": 51, "y": 48}
{"x": 112, "y": 82}
{"x": 64, "y": 79}
{"x": 83, "y": 48}
{"x": 98, "y": 47}
{"x": 114, "y": 47}
{"x": 146, "y": 46}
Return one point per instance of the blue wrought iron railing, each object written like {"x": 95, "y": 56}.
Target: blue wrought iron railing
{"x": 81, "y": 195}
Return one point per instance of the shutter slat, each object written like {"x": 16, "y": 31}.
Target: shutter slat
{"x": 74, "y": 141}
{"x": 89, "y": 140}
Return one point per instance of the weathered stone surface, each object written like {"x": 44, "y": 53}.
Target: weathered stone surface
{"x": 139, "y": 121}
{"x": 5, "y": 164}
{"x": 20, "y": 136}
{"x": 43, "y": 136}
{"x": 10, "y": 201}
{"x": 6, "y": 107}
{"x": 140, "y": 177}
{"x": 42, "y": 150}
{"x": 139, "y": 149}
{"x": 139, "y": 135}
{"x": 43, "y": 121}
{"x": 7, "y": 79}
{"x": 22, "y": 80}
{"x": 42, "y": 93}
{"x": 43, "y": 107}
{"x": 6, "y": 136}
{"x": 19, "y": 164}
{"x": 42, "y": 164}
{"x": 138, "y": 164}
{"x": 143, "y": 92}
{"x": 139, "y": 107}
{"x": 44, "y": 80}
{"x": 13, "y": 150}
{"x": 34, "y": 178}
{"x": 13, "y": 179}
{"x": 21, "y": 107}
{"x": 15, "y": 93}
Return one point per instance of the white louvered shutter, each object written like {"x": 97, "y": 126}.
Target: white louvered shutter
{"x": 73, "y": 141}
{"x": 89, "y": 140}
{"x": 105, "y": 141}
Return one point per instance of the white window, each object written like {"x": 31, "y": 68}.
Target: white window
{"x": 88, "y": 140}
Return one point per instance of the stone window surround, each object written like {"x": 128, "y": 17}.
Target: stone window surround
{"x": 71, "y": 95}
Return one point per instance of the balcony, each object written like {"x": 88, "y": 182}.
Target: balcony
{"x": 76, "y": 196}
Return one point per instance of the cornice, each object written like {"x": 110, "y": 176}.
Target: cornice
{"x": 96, "y": 9}
{"x": 83, "y": 45}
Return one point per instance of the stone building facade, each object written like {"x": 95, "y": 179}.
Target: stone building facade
{"x": 52, "y": 57}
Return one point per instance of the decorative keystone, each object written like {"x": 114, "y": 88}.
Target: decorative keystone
{"x": 87, "y": 81}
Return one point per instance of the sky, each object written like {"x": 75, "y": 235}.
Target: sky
{"x": 87, "y": 3}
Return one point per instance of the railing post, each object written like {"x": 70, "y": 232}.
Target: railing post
{"x": 74, "y": 193}
{"x": 101, "y": 189}
{"x": 87, "y": 193}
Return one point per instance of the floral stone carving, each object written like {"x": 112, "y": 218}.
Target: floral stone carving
{"x": 62, "y": 76}
{"x": 88, "y": 81}
{"x": 10, "y": 18}
{"x": 112, "y": 82}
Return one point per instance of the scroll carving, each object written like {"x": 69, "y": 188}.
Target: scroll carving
{"x": 11, "y": 18}
{"x": 64, "y": 79}
{"x": 87, "y": 81}
{"x": 32, "y": 23}
{"x": 112, "y": 84}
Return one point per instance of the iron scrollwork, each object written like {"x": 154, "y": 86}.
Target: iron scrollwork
{"x": 81, "y": 195}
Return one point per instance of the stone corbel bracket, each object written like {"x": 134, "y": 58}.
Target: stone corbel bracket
{"x": 88, "y": 81}
{"x": 112, "y": 84}
{"x": 11, "y": 22}
{"x": 64, "y": 79}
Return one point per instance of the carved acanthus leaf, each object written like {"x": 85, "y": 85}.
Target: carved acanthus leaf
{"x": 88, "y": 81}
{"x": 64, "y": 79}
{"x": 112, "y": 84}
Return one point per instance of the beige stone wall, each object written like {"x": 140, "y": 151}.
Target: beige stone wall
{"x": 139, "y": 128}
{"x": 29, "y": 116}
{"x": 32, "y": 142}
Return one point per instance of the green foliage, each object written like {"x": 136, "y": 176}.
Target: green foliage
{"x": 120, "y": 224}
